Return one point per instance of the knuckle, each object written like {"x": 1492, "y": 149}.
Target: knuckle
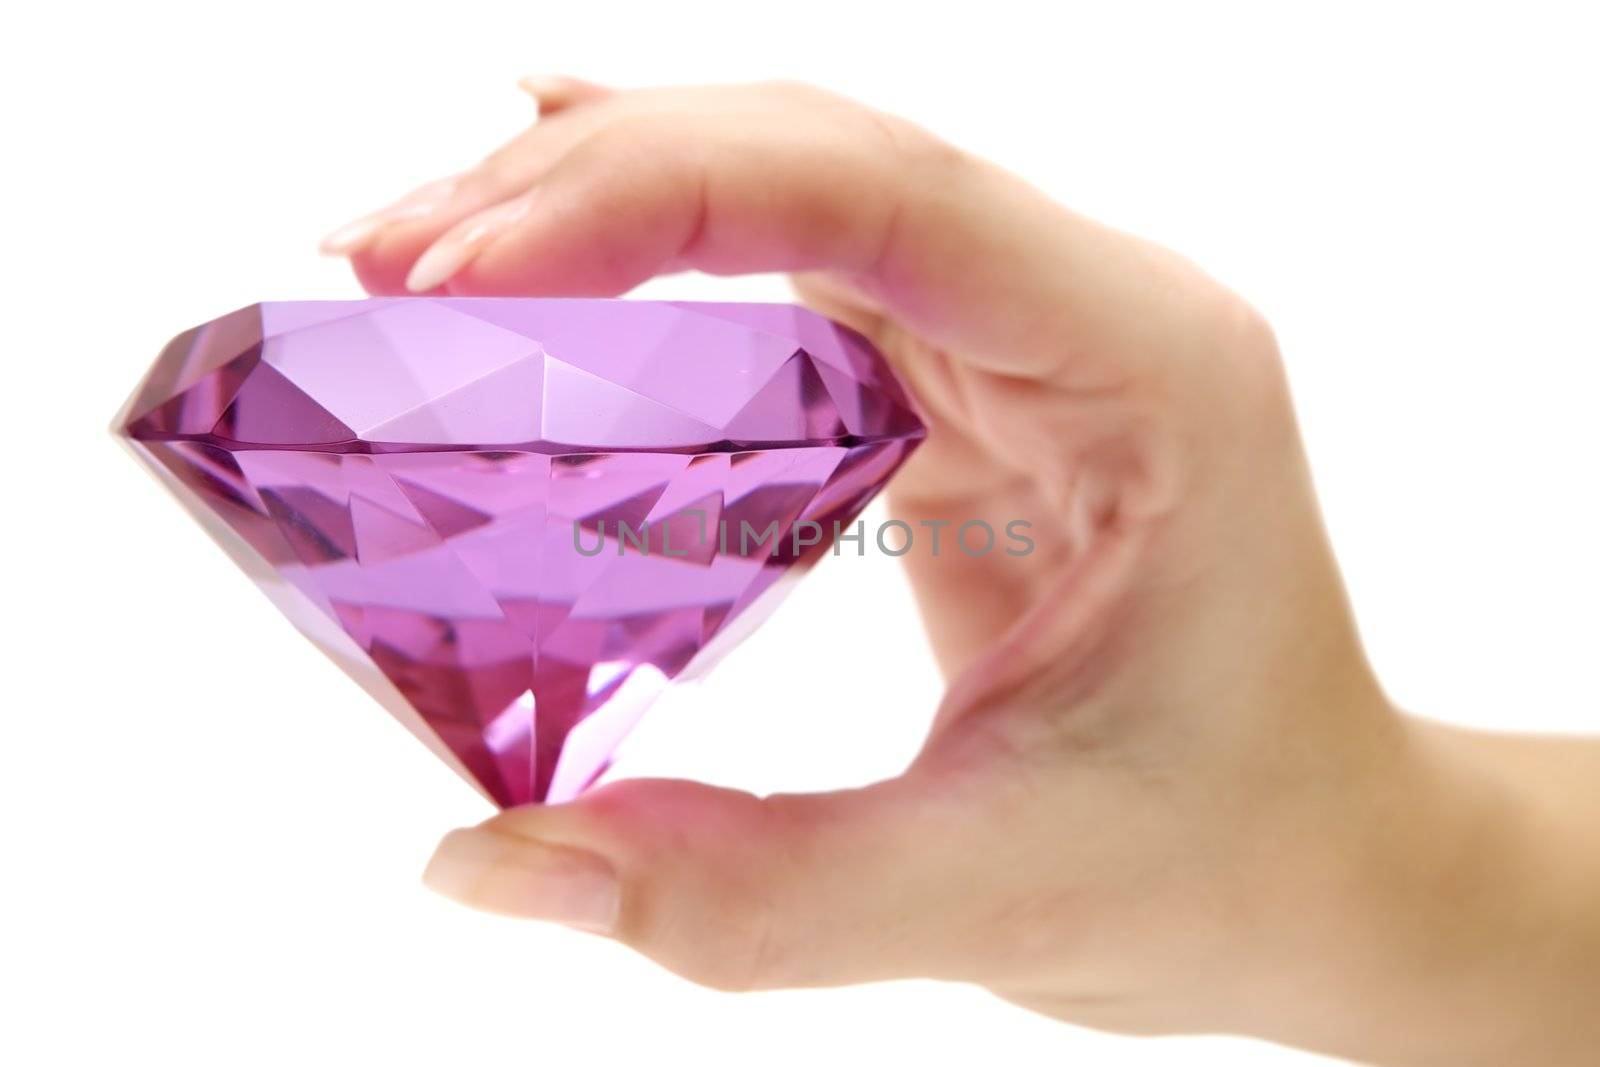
{"x": 720, "y": 922}
{"x": 1259, "y": 378}
{"x": 640, "y": 152}
{"x": 643, "y": 135}
{"x": 735, "y": 947}
{"x": 1228, "y": 351}
{"x": 1244, "y": 327}
{"x": 913, "y": 146}
{"x": 634, "y": 162}
{"x": 898, "y": 141}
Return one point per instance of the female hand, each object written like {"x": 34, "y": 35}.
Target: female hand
{"x": 1164, "y": 791}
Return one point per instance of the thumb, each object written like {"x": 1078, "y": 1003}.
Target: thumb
{"x": 728, "y": 889}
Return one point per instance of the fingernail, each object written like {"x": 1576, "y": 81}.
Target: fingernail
{"x": 425, "y": 198}
{"x": 546, "y": 89}
{"x": 537, "y": 85}
{"x": 446, "y": 256}
{"x": 421, "y": 202}
{"x": 351, "y": 237}
{"x": 526, "y": 879}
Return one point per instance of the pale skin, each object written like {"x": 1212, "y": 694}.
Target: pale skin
{"x": 1164, "y": 791}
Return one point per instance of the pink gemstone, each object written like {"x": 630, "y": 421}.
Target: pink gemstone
{"x": 516, "y": 521}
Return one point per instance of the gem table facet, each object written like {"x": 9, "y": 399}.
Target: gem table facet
{"x": 515, "y": 521}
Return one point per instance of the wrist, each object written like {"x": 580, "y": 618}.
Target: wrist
{"x": 1447, "y": 915}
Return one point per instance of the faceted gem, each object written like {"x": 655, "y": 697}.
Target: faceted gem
{"x": 515, "y": 521}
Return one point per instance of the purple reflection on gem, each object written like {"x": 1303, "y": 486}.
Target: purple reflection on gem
{"x": 405, "y": 477}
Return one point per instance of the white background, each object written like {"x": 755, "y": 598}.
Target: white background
{"x": 212, "y": 839}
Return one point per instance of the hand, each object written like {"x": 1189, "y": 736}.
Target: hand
{"x": 1164, "y": 791}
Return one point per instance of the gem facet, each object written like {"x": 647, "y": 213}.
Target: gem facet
{"x": 515, "y": 520}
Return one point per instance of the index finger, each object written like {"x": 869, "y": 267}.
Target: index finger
{"x": 784, "y": 178}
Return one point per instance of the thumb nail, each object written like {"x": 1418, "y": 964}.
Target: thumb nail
{"x": 526, "y": 879}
